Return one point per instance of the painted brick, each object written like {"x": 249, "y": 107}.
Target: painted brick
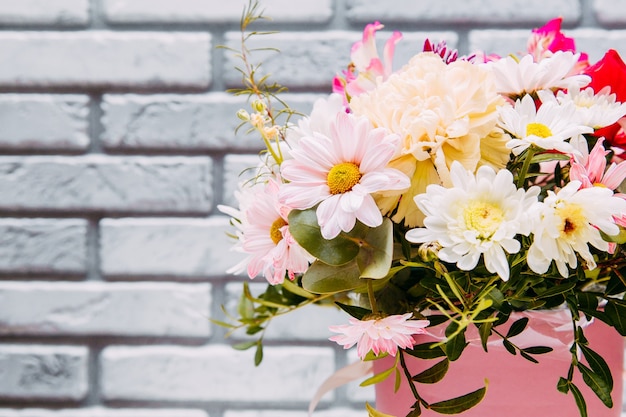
{"x": 462, "y": 11}
{"x": 238, "y": 169}
{"x": 130, "y": 60}
{"x": 102, "y": 183}
{"x": 312, "y": 59}
{"x": 356, "y": 393}
{"x": 595, "y": 42}
{"x": 36, "y": 372}
{"x": 42, "y": 121}
{"x": 213, "y": 373}
{"x": 500, "y": 42}
{"x": 338, "y": 412}
{"x": 103, "y": 412}
{"x": 211, "y": 11}
{"x": 43, "y": 245}
{"x": 170, "y": 121}
{"x": 609, "y": 12}
{"x": 296, "y": 325}
{"x": 96, "y": 308}
{"x": 170, "y": 246}
{"x": 45, "y": 12}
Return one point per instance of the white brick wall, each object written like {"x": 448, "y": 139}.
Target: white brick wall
{"x": 116, "y": 144}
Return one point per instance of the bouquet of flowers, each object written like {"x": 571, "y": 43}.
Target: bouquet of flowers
{"x": 451, "y": 192}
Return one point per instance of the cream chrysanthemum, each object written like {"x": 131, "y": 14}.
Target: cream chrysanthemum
{"x": 516, "y": 77}
{"x": 442, "y": 112}
{"x": 568, "y": 222}
{"x": 549, "y": 128}
{"x": 479, "y": 215}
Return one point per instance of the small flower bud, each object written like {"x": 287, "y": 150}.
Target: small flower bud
{"x": 243, "y": 115}
{"x": 429, "y": 251}
{"x": 258, "y": 106}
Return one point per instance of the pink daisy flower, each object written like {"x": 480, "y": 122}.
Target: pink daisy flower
{"x": 382, "y": 335}
{"x": 340, "y": 171}
{"x": 264, "y": 235}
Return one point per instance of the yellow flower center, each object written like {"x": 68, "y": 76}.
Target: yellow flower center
{"x": 573, "y": 220}
{"x": 275, "y": 232}
{"x": 342, "y": 177}
{"x": 538, "y": 129}
{"x": 483, "y": 217}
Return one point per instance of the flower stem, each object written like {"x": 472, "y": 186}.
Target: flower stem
{"x": 521, "y": 179}
{"x": 370, "y": 295}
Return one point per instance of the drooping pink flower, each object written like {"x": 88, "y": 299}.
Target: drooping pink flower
{"x": 591, "y": 170}
{"x": 340, "y": 171}
{"x": 366, "y": 68}
{"x": 381, "y": 335}
{"x": 447, "y": 54}
{"x": 546, "y": 40}
{"x": 264, "y": 235}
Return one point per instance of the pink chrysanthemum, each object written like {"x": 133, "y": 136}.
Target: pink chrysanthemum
{"x": 340, "y": 171}
{"x": 264, "y": 235}
{"x": 383, "y": 335}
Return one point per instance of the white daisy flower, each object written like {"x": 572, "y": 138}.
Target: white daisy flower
{"x": 568, "y": 221}
{"x": 480, "y": 214}
{"x": 517, "y": 77}
{"x": 596, "y": 110}
{"x": 548, "y": 128}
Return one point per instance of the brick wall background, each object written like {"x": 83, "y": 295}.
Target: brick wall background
{"x": 117, "y": 143}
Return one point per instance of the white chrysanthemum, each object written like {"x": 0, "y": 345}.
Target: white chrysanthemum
{"x": 568, "y": 221}
{"x": 517, "y": 77}
{"x": 548, "y": 128}
{"x": 596, "y": 110}
{"x": 480, "y": 214}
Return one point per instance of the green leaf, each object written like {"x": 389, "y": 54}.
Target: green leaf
{"x": 509, "y": 346}
{"x": 528, "y": 357}
{"x": 294, "y": 289}
{"x": 433, "y": 374}
{"x": 617, "y": 314}
{"x": 619, "y": 238}
{"x": 416, "y": 410}
{"x": 598, "y": 365}
{"x": 245, "y": 345}
{"x": 459, "y": 404}
{"x": 455, "y": 346}
{"x": 355, "y": 311}
{"x": 517, "y": 327}
{"x": 321, "y": 278}
{"x": 597, "y": 384}
{"x": 563, "y": 385}
{"x": 258, "y": 355}
{"x": 374, "y": 258}
{"x": 558, "y": 289}
{"x": 580, "y": 400}
{"x": 306, "y": 231}
{"x": 549, "y": 156}
{"x": 398, "y": 381}
{"x": 245, "y": 308}
{"x": 426, "y": 351}
{"x": 378, "y": 377}
{"x": 538, "y": 350}
{"x": 372, "y": 412}
{"x": 485, "y": 331}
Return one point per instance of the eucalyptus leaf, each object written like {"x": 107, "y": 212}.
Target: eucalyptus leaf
{"x": 374, "y": 258}
{"x": 306, "y": 231}
{"x": 433, "y": 374}
{"x": 459, "y": 404}
{"x": 321, "y": 278}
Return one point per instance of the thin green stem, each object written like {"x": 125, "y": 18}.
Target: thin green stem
{"x": 521, "y": 179}
{"x": 370, "y": 295}
{"x": 409, "y": 379}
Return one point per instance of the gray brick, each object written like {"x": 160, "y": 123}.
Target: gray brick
{"x": 45, "y": 12}
{"x": 312, "y": 59}
{"x": 213, "y": 373}
{"x": 131, "y": 60}
{"x": 43, "y": 245}
{"x": 96, "y": 308}
{"x": 157, "y": 246}
{"x": 211, "y": 11}
{"x": 103, "y": 412}
{"x": 462, "y": 11}
{"x": 609, "y": 12}
{"x": 238, "y": 169}
{"x": 596, "y": 42}
{"x": 335, "y": 412}
{"x": 500, "y": 42}
{"x": 102, "y": 183}
{"x": 32, "y": 372}
{"x": 169, "y": 121}
{"x": 38, "y": 121}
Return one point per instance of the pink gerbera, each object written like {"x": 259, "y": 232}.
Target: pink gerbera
{"x": 591, "y": 170}
{"x": 381, "y": 335}
{"x": 340, "y": 171}
{"x": 264, "y": 235}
